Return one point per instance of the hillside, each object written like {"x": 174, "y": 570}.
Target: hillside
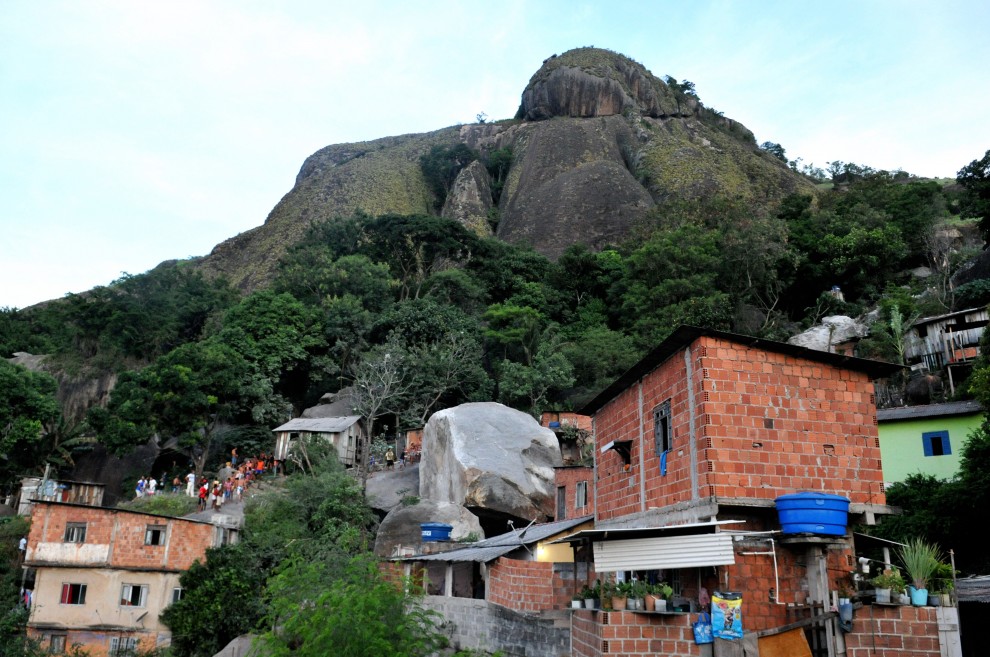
{"x": 597, "y": 142}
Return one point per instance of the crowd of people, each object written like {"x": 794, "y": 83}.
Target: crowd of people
{"x": 230, "y": 483}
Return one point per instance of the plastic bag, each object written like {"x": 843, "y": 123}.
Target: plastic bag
{"x": 727, "y": 615}
{"x": 703, "y": 629}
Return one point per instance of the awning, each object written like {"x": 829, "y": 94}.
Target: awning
{"x": 648, "y": 548}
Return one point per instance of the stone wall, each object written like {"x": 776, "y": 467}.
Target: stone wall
{"x": 479, "y": 625}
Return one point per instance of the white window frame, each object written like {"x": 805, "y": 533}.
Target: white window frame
{"x": 177, "y": 594}
{"x": 56, "y": 644}
{"x": 81, "y": 591}
{"x": 152, "y": 530}
{"x": 122, "y": 646}
{"x": 127, "y": 595}
{"x": 581, "y": 495}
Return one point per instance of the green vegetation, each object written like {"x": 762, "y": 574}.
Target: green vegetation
{"x": 162, "y": 504}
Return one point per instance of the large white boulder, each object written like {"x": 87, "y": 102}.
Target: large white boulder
{"x": 832, "y": 331}
{"x": 401, "y": 527}
{"x": 488, "y": 456}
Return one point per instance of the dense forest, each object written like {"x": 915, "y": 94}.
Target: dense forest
{"x": 446, "y": 316}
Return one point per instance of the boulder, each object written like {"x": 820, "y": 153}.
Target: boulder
{"x": 832, "y": 330}
{"x": 490, "y": 457}
{"x": 401, "y": 527}
{"x": 386, "y": 490}
{"x": 333, "y": 404}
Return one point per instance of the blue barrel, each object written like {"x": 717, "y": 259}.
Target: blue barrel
{"x": 813, "y": 513}
{"x": 435, "y": 531}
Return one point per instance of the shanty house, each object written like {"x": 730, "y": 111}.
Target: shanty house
{"x": 345, "y": 433}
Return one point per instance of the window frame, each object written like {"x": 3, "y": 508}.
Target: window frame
{"x": 928, "y": 443}
{"x": 177, "y": 593}
{"x": 57, "y": 643}
{"x": 75, "y": 532}
{"x": 67, "y": 596}
{"x": 160, "y": 530}
{"x": 561, "y": 502}
{"x": 663, "y": 433}
{"x": 127, "y": 595}
{"x": 129, "y": 647}
{"x": 581, "y": 495}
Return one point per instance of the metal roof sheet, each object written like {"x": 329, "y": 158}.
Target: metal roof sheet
{"x": 319, "y": 424}
{"x": 964, "y": 407}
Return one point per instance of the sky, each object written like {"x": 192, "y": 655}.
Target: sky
{"x": 133, "y": 132}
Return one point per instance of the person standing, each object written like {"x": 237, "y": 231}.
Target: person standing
{"x": 191, "y": 484}
{"x": 152, "y": 486}
{"x": 139, "y": 489}
{"x": 389, "y": 459}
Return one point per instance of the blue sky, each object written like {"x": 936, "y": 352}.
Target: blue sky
{"x": 136, "y": 132}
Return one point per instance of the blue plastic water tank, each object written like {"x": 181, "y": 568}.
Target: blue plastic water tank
{"x": 435, "y": 531}
{"x": 814, "y": 513}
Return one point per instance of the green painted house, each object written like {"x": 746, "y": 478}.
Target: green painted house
{"x": 925, "y": 439}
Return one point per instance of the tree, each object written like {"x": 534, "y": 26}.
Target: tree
{"x": 441, "y": 165}
{"x": 528, "y": 385}
{"x": 379, "y": 386}
{"x": 975, "y": 179}
{"x": 28, "y": 412}
{"x": 774, "y": 149}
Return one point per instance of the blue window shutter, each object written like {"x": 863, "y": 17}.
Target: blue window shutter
{"x": 932, "y": 439}
{"x": 926, "y": 441}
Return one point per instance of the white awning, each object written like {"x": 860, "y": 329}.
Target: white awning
{"x": 661, "y": 552}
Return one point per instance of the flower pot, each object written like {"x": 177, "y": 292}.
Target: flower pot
{"x": 576, "y": 604}
{"x": 903, "y": 599}
{"x": 650, "y": 601}
{"x": 919, "y": 597}
{"x": 883, "y": 595}
{"x": 634, "y": 604}
{"x": 946, "y": 599}
{"x": 660, "y": 605}
{"x": 591, "y": 603}
{"x": 618, "y": 604}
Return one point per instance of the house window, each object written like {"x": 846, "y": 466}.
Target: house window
{"x": 56, "y": 644}
{"x": 122, "y": 646}
{"x": 75, "y": 532}
{"x": 73, "y": 594}
{"x": 581, "y": 494}
{"x": 133, "y": 595}
{"x": 561, "y": 502}
{"x": 176, "y": 594}
{"x": 936, "y": 443}
{"x": 662, "y": 435}
{"x": 155, "y": 535}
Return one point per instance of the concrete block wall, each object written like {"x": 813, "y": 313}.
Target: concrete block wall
{"x": 894, "y": 632}
{"x": 478, "y": 625}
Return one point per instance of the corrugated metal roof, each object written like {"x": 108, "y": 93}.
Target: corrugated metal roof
{"x": 626, "y": 533}
{"x": 319, "y": 424}
{"x": 685, "y": 335}
{"x": 490, "y": 549}
{"x": 973, "y": 589}
{"x": 964, "y": 407}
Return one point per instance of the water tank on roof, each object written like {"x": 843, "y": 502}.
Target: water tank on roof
{"x": 435, "y": 531}
{"x": 813, "y": 513}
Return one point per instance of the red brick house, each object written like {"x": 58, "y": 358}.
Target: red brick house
{"x": 102, "y": 576}
{"x": 692, "y": 447}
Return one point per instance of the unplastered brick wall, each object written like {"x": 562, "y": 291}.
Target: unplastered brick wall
{"x": 775, "y": 424}
{"x": 521, "y": 585}
{"x": 764, "y": 424}
{"x": 599, "y": 633}
{"x": 124, "y": 533}
{"x": 569, "y": 478}
{"x": 894, "y": 632}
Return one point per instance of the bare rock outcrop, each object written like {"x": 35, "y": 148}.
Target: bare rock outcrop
{"x": 470, "y": 200}
{"x": 489, "y": 457}
{"x": 832, "y": 330}
{"x": 401, "y": 527}
{"x": 332, "y": 404}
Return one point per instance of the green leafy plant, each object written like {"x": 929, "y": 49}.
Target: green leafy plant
{"x": 921, "y": 559}
{"x": 890, "y": 578}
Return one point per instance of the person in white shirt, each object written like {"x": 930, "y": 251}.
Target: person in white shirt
{"x": 191, "y": 484}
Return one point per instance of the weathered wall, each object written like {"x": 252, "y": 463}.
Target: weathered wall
{"x": 569, "y": 477}
{"x": 476, "y": 624}
{"x": 894, "y": 632}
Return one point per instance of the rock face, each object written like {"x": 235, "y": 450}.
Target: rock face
{"x": 597, "y": 143}
{"x": 401, "y": 527}
{"x": 488, "y": 456}
{"x": 470, "y": 199}
{"x": 332, "y": 404}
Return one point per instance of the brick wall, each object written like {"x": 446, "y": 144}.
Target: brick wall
{"x": 765, "y": 424}
{"x": 521, "y": 585}
{"x": 598, "y": 633}
{"x": 569, "y": 477}
{"x": 894, "y": 632}
{"x": 124, "y": 534}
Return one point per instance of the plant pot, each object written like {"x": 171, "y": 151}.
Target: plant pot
{"x": 618, "y": 604}
{"x": 946, "y": 599}
{"x": 660, "y": 605}
{"x": 591, "y": 603}
{"x": 576, "y": 604}
{"x": 903, "y": 599}
{"x": 650, "y": 601}
{"x": 883, "y": 595}
{"x": 919, "y": 597}
{"x": 634, "y": 604}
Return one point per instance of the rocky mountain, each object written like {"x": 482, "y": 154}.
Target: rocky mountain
{"x": 597, "y": 142}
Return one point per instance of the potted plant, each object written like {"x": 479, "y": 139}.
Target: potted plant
{"x": 921, "y": 559}
{"x": 888, "y": 582}
{"x": 591, "y": 595}
{"x": 664, "y": 591}
{"x": 943, "y": 583}
{"x": 637, "y": 594}
{"x": 616, "y": 593}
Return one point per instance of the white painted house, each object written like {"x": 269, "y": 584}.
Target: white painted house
{"x": 345, "y": 433}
